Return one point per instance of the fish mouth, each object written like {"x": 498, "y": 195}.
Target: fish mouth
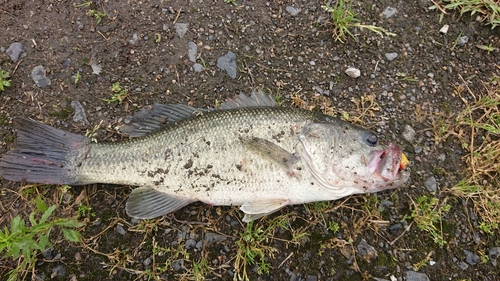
{"x": 387, "y": 163}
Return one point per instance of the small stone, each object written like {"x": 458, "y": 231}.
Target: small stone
{"x": 353, "y": 72}
{"x": 211, "y": 238}
{"x": 366, "y": 251}
{"x": 417, "y": 149}
{"x": 416, "y": 276}
{"x": 15, "y": 50}
{"x": 134, "y": 39}
{"x": 59, "y": 270}
{"x": 120, "y": 230}
{"x": 190, "y": 243}
{"x": 442, "y": 157}
{"x": 430, "y": 184}
{"x": 493, "y": 254}
{"x": 409, "y": 133}
{"x": 396, "y": 228}
{"x": 181, "y": 29}
{"x": 471, "y": 258}
{"x": 444, "y": 29}
{"x": 79, "y": 116}
{"x": 312, "y": 278}
{"x": 192, "y": 51}
{"x": 197, "y": 67}
{"x": 147, "y": 262}
{"x": 199, "y": 245}
{"x": 462, "y": 265}
{"x": 177, "y": 264}
{"x": 38, "y": 76}
{"x": 389, "y": 12}
{"x": 292, "y": 10}
{"x": 462, "y": 40}
{"x": 391, "y": 56}
{"x": 228, "y": 63}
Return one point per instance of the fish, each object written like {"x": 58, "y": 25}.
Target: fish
{"x": 248, "y": 152}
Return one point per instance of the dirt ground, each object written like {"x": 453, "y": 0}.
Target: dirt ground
{"x": 141, "y": 45}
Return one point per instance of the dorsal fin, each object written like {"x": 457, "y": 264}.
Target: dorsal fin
{"x": 154, "y": 117}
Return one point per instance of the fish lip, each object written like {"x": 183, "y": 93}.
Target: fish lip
{"x": 386, "y": 162}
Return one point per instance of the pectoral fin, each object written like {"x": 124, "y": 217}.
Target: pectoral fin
{"x": 147, "y": 203}
{"x": 272, "y": 152}
{"x": 258, "y": 209}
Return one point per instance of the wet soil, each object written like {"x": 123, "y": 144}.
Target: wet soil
{"x": 137, "y": 44}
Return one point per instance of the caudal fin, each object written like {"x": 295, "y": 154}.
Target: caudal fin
{"x": 42, "y": 154}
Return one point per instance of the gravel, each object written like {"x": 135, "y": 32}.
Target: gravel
{"x": 228, "y": 63}
{"x": 38, "y": 76}
{"x": 416, "y": 276}
{"x": 15, "y": 50}
{"x": 389, "y": 12}
{"x": 391, "y": 56}
{"x": 353, "y": 72}
{"x": 430, "y": 184}
{"x": 79, "y": 115}
{"x": 192, "y": 51}
{"x": 181, "y": 29}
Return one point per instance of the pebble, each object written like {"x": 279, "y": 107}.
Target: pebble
{"x": 192, "y": 51}
{"x": 197, "y": 67}
{"x": 389, "y": 12}
{"x": 417, "y": 149}
{"x": 38, "y": 76}
{"x": 177, "y": 264}
{"x": 228, "y": 63}
{"x": 471, "y": 258}
{"x": 120, "y": 230}
{"x": 134, "y": 39}
{"x": 15, "y": 50}
{"x": 416, "y": 276}
{"x": 190, "y": 243}
{"x": 444, "y": 29}
{"x": 396, "y": 228}
{"x": 292, "y": 10}
{"x": 211, "y": 238}
{"x": 391, "y": 56}
{"x": 409, "y": 133}
{"x": 462, "y": 40}
{"x": 59, "y": 270}
{"x": 353, "y": 72}
{"x": 181, "y": 29}
{"x": 462, "y": 265}
{"x": 80, "y": 116}
{"x": 493, "y": 254}
{"x": 366, "y": 251}
{"x": 430, "y": 184}
{"x": 442, "y": 157}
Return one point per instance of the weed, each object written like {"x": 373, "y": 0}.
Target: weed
{"x": 230, "y": 2}
{"x": 77, "y": 77}
{"x": 85, "y": 211}
{"x": 96, "y": 14}
{"x": 4, "y": 80}
{"x": 91, "y": 134}
{"x": 427, "y": 213}
{"x": 22, "y": 242}
{"x": 344, "y": 18}
{"x": 119, "y": 93}
{"x": 488, "y": 48}
{"x": 488, "y": 11}
{"x": 405, "y": 77}
{"x": 83, "y": 4}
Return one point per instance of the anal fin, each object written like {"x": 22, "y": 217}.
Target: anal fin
{"x": 258, "y": 209}
{"x": 147, "y": 203}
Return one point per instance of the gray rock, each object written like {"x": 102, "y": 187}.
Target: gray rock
{"x": 396, "y": 228}
{"x": 59, "y": 270}
{"x": 430, "y": 184}
{"x": 471, "y": 258}
{"x": 462, "y": 265}
{"x": 292, "y": 10}
{"x": 391, "y": 56}
{"x": 177, "y": 264}
{"x": 120, "y": 230}
{"x": 389, "y": 12}
{"x": 409, "y": 133}
{"x": 417, "y": 149}
{"x": 197, "y": 67}
{"x": 493, "y": 254}
{"x": 353, "y": 72}
{"x": 366, "y": 251}
{"x": 416, "y": 276}
{"x": 181, "y": 29}
{"x": 228, "y": 63}
{"x": 211, "y": 238}
{"x": 15, "y": 50}
{"x": 312, "y": 278}
{"x": 38, "y": 76}
{"x": 192, "y": 51}
{"x": 147, "y": 262}
{"x": 134, "y": 39}
{"x": 199, "y": 245}
{"x": 79, "y": 116}
{"x": 462, "y": 40}
{"x": 190, "y": 243}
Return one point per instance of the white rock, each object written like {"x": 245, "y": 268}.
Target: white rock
{"x": 444, "y": 29}
{"x": 353, "y": 72}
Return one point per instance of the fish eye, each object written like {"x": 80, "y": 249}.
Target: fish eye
{"x": 370, "y": 138}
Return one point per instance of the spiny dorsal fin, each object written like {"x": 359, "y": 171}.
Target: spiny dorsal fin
{"x": 152, "y": 118}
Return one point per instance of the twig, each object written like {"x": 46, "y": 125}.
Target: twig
{"x": 178, "y": 14}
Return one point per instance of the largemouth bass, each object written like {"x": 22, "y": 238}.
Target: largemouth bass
{"x": 249, "y": 153}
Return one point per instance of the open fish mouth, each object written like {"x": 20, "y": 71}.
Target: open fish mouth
{"x": 387, "y": 163}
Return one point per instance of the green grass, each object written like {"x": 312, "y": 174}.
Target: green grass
{"x": 426, "y": 212}
{"x": 487, "y": 10}
{"x": 119, "y": 94}
{"x": 24, "y": 240}
{"x": 4, "y": 80}
{"x": 343, "y": 18}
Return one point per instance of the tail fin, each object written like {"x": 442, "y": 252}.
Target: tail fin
{"x": 42, "y": 155}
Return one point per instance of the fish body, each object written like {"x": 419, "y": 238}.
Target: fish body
{"x": 250, "y": 153}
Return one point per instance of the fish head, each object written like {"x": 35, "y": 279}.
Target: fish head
{"x": 347, "y": 159}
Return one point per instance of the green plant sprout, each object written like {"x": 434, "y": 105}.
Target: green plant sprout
{"x": 96, "y": 14}
{"x": 344, "y": 18}
{"x": 119, "y": 94}
{"x": 4, "y": 80}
